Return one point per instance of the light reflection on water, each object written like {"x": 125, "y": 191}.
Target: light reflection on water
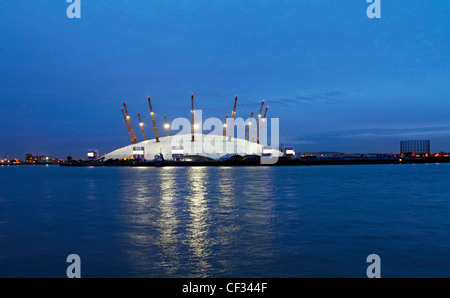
{"x": 168, "y": 223}
{"x": 197, "y": 230}
{"x": 188, "y": 222}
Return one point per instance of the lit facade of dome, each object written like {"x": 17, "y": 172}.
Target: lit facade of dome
{"x": 182, "y": 147}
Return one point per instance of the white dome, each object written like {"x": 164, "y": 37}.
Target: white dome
{"x": 211, "y": 146}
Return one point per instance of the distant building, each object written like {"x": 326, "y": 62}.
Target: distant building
{"x": 93, "y": 154}
{"x": 288, "y": 151}
{"x": 29, "y": 157}
{"x": 40, "y": 159}
{"x": 138, "y": 152}
{"x": 415, "y": 147}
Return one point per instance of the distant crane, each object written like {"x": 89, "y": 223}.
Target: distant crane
{"x": 6, "y": 156}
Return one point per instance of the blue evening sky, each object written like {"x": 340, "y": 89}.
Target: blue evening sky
{"x": 337, "y": 80}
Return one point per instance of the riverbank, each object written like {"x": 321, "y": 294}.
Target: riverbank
{"x": 255, "y": 162}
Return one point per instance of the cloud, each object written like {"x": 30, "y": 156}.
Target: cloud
{"x": 303, "y": 98}
{"x": 410, "y": 132}
{"x": 323, "y": 97}
{"x": 398, "y": 132}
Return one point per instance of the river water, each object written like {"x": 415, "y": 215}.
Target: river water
{"x": 317, "y": 221}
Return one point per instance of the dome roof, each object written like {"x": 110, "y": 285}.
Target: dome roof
{"x": 211, "y": 146}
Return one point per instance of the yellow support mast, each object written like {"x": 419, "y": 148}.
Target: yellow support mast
{"x": 247, "y": 134}
{"x": 192, "y": 118}
{"x": 133, "y": 133}
{"x": 166, "y": 125}
{"x": 141, "y": 124}
{"x": 128, "y": 126}
{"x": 225, "y": 126}
{"x": 153, "y": 120}
{"x": 233, "y": 115}
{"x": 262, "y": 124}
{"x": 255, "y": 129}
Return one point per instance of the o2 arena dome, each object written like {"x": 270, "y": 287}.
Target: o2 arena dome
{"x": 181, "y": 147}
{"x": 196, "y": 145}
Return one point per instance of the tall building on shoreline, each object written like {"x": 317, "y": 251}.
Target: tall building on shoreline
{"x": 415, "y": 147}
